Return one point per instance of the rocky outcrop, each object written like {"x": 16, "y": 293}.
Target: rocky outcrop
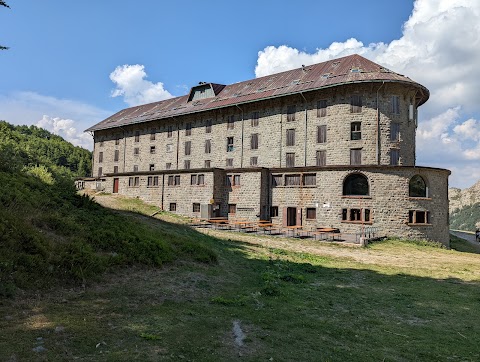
{"x": 460, "y": 198}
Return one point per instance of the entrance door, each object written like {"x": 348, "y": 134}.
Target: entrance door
{"x": 115, "y": 185}
{"x": 291, "y": 216}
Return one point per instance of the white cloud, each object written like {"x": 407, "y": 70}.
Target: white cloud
{"x": 439, "y": 48}
{"x": 67, "y": 130}
{"x": 131, "y": 84}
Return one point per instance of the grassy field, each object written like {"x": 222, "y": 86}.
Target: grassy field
{"x": 267, "y": 299}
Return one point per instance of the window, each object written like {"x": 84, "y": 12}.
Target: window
{"x": 137, "y": 136}
{"x": 394, "y": 156}
{"x": 356, "y": 156}
{"x": 232, "y": 208}
{"x": 229, "y": 162}
{"x": 135, "y": 168}
{"x": 273, "y": 211}
{"x": 309, "y": 179}
{"x": 395, "y": 105}
{"x": 356, "y": 104}
{"x": 208, "y": 126}
{"x": 153, "y": 132}
{"x": 311, "y": 213}
{"x": 291, "y": 110}
{"x": 188, "y": 148}
{"x": 277, "y": 180}
{"x": 117, "y": 140}
{"x": 169, "y": 147}
{"x": 151, "y": 167}
{"x": 100, "y": 171}
{"x": 130, "y": 181}
{"x": 229, "y": 144}
{"x": 236, "y": 180}
{"x": 208, "y": 146}
{"x": 355, "y": 184}
{"x": 188, "y": 129}
{"x": 232, "y": 180}
{"x": 356, "y": 215}
{"x": 173, "y": 180}
{"x": 290, "y": 160}
{"x": 395, "y": 131}
{"x": 168, "y": 165}
{"x": 193, "y": 179}
{"x": 201, "y": 179}
{"x": 292, "y": 180}
{"x": 291, "y": 137}
{"x": 116, "y": 155}
{"x": 152, "y": 149}
{"x": 356, "y": 131}
{"x": 321, "y": 134}
{"x": 136, "y": 151}
{"x": 100, "y": 157}
{"x": 152, "y": 181}
{"x": 254, "y": 141}
{"x": 115, "y": 169}
{"x": 230, "y": 122}
{"x": 186, "y": 164}
{"x": 418, "y": 217}
{"x": 196, "y": 207}
{"x": 321, "y": 158}
{"x": 255, "y": 118}
{"x": 253, "y": 161}
{"x": 169, "y": 131}
{"x": 322, "y": 108}
{"x": 417, "y": 187}
{"x": 173, "y": 206}
{"x": 207, "y": 164}
{"x": 134, "y": 181}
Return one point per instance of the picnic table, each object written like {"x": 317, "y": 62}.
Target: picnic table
{"x": 218, "y": 221}
{"x": 294, "y": 229}
{"x": 328, "y": 231}
{"x": 245, "y": 225}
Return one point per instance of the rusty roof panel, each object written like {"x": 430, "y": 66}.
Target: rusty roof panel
{"x": 336, "y": 72}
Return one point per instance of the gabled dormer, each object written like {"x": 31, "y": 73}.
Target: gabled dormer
{"x": 204, "y": 90}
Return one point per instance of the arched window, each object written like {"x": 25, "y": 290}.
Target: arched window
{"x": 417, "y": 187}
{"x": 355, "y": 184}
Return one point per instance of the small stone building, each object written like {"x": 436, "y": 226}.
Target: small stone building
{"x": 329, "y": 144}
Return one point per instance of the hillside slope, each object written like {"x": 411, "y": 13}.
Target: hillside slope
{"x": 465, "y": 207}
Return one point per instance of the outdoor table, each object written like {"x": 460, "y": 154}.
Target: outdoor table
{"x": 294, "y": 228}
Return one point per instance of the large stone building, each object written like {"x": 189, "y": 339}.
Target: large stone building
{"x": 330, "y": 144}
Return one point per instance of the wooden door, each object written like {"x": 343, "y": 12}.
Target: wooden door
{"x": 115, "y": 185}
{"x": 291, "y": 216}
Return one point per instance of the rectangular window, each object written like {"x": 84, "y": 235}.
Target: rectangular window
{"x": 116, "y": 155}
{"x": 254, "y": 161}
{"x": 322, "y": 108}
{"x": 153, "y": 132}
{"x": 201, "y": 179}
{"x": 193, "y": 179}
{"x": 236, "y": 180}
{"x": 186, "y": 164}
{"x": 207, "y": 164}
{"x": 136, "y": 151}
{"x": 395, "y": 105}
{"x": 208, "y": 146}
{"x": 321, "y": 134}
{"x": 137, "y": 136}
{"x": 230, "y": 122}
{"x": 395, "y": 131}
{"x": 229, "y": 162}
{"x": 228, "y": 180}
{"x": 100, "y": 171}
{"x": 136, "y": 181}
{"x": 173, "y": 180}
{"x": 356, "y": 131}
{"x": 292, "y": 180}
{"x": 394, "y": 157}
{"x": 291, "y": 110}
{"x": 152, "y": 149}
{"x": 356, "y": 215}
{"x": 310, "y": 179}
{"x": 168, "y": 166}
{"x": 188, "y": 148}
{"x": 149, "y": 181}
{"x": 277, "y": 180}
{"x": 232, "y": 208}
{"x": 356, "y": 156}
{"x": 151, "y": 167}
{"x": 230, "y": 144}
{"x": 170, "y": 180}
{"x": 208, "y": 126}
{"x": 169, "y": 147}
{"x": 188, "y": 129}
{"x": 196, "y": 207}
{"x": 356, "y": 104}
{"x": 273, "y": 211}
{"x": 290, "y": 160}
{"x": 311, "y": 213}
{"x": 177, "y": 180}
{"x": 100, "y": 157}
{"x": 135, "y": 168}
{"x": 321, "y": 158}
{"x": 130, "y": 182}
{"x": 291, "y": 137}
{"x": 255, "y": 118}
{"x": 115, "y": 169}
{"x": 169, "y": 131}
{"x": 254, "y": 141}
{"x": 173, "y": 206}
{"x": 418, "y": 217}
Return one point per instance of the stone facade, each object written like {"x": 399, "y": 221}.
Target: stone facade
{"x": 325, "y": 134}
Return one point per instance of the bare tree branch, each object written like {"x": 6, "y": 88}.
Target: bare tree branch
{"x": 3, "y": 3}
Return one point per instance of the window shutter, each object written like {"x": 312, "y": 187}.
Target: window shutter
{"x": 284, "y": 217}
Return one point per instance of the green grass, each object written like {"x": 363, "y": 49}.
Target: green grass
{"x": 460, "y": 244}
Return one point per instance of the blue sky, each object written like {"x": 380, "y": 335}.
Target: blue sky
{"x": 72, "y": 64}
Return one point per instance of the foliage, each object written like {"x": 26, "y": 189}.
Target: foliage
{"x": 465, "y": 218}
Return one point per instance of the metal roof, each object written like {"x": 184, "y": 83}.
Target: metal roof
{"x": 332, "y": 73}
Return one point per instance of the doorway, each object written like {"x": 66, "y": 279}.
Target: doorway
{"x": 291, "y": 216}
{"x": 115, "y": 185}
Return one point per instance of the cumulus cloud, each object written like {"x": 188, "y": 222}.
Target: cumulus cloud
{"x": 66, "y": 129}
{"x": 439, "y": 48}
{"x": 131, "y": 84}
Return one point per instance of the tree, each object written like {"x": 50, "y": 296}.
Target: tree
{"x": 3, "y": 3}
